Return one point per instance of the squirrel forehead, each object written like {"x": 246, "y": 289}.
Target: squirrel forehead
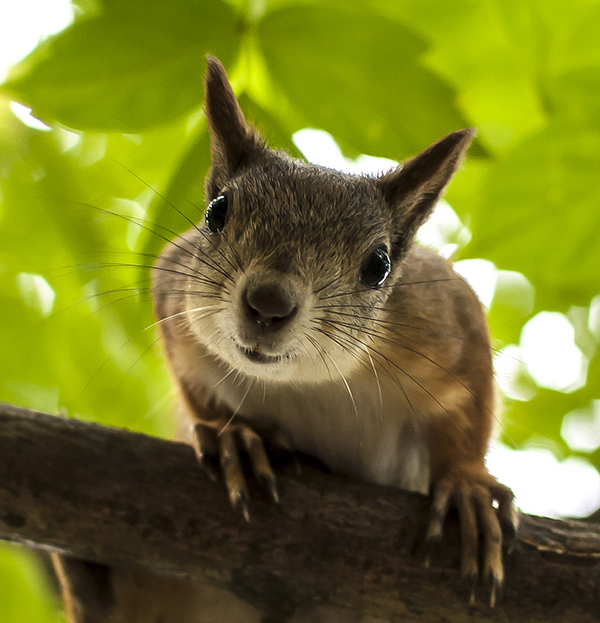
{"x": 299, "y": 194}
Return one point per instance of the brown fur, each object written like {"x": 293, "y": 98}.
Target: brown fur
{"x": 391, "y": 384}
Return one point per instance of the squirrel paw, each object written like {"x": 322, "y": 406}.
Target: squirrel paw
{"x": 474, "y": 498}
{"x": 225, "y": 443}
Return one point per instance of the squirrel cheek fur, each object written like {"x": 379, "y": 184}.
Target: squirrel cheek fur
{"x": 302, "y": 307}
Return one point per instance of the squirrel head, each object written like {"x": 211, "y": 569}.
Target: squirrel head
{"x": 297, "y": 261}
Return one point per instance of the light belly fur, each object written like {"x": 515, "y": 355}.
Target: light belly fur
{"x": 370, "y": 436}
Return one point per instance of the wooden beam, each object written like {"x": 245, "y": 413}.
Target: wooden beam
{"x": 121, "y": 498}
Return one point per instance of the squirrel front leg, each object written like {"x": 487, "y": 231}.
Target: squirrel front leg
{"x": 460, "y": 478}
{"x": 86, "y": 588}
{"x": 217, "y": 432}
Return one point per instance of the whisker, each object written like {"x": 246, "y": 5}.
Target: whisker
{"x": 394, "y": 285}
{"x": 194, "y": 276}
{"x": 233, "y": 252}
{"x": 250, "y": 383}
{"x": 376, "y": 378}
{"x": 384, "y": 338}
{"x": 332, "y": 310}
{"x": 158, "y": 194}
{"x": 137, "y": 360}
{"x": 225, "y": 377}
{"x": 136, "y": 221}
{"x": 171, "y": 239}
{"x": 404, "y": 372}
{"x": 134, "y": 291}
{"x": 181, "y": 213}
{"x": 345, "y": 383}
{"x": 337, "y": 340}
{"x": 335, "y": 280}
{"x": 185, "y": 312}
{"x": 319, "y": 349}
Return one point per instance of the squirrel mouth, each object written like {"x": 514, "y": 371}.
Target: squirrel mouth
{"x": 257, "y": 357}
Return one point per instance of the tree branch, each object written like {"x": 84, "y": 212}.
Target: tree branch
{"x": 121, "y": 498}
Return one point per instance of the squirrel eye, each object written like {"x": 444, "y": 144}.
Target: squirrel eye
{"x": 216, "y": 214}
{"x": 376, "y": 268}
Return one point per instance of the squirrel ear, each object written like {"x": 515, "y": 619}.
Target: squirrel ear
{"x": 233, "y": 143}
{"x": 413, "y": 189}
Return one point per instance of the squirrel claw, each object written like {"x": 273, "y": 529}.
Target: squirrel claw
{"x": 508, "y": 514}
{"x": 231, "y": 466}
{"x": 261, "y": 465}
{"x": 472, "y": 581}
{"x": 495, "y": 586}
{"x": 239, "y": 501}
{"x": 473, "y": 497}
{"x": 202, "y": 441}
{"x": 207, "y": 442}
{"x": 432, "y": 544}
{"x": 272, "y": 488}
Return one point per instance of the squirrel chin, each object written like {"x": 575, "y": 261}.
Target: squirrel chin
{"x": 289, "y": 368}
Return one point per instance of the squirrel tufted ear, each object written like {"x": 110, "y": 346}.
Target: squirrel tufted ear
{"x": 413, "y": 188}
{"x": 233, "y": 143}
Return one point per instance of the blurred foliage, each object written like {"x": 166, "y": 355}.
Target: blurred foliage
{"x": 87, "y": 205}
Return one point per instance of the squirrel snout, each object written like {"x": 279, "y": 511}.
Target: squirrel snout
{"x": 269, "y": 305}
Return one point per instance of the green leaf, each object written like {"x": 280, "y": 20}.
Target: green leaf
{"x": 182, "y": 203}
{"x": 491, "y": 52}
{"x": 543, "y": 415}
{"x": 538, "y": 214}
{"x": 359, "y": 76}
{"x": 575, "y": 96}
{"x": 277, "y": 129}
{"x": 132, "y": 66}
{"x": 25, "y": 590}
{"x": 58, "y": 232}
{"x": 384, "y": 77}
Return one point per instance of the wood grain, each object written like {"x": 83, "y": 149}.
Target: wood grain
{"x": 121, "y": 498}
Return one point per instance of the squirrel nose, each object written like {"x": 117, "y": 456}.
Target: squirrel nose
{"x": 269, "y": 305}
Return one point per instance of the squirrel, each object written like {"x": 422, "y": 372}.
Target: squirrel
{"x": 302, "y": 311}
